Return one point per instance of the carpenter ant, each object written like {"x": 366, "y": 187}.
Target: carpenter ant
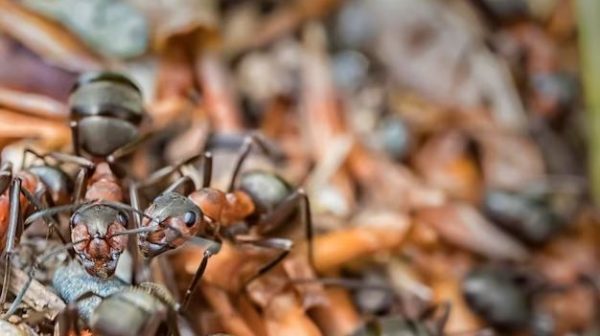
{"x": 506, "y": 298}
{"x": 498, "y": 295}
{"x": 532, "y": 217}
{"x": 263, "y": 201}
{"x": 102, "y": 104}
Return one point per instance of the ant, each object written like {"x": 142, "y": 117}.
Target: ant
{"x": 106, "y": 110}
{"x": 101, "y": 104}
{"x": 263, "y": 201}
{"x": 506, "y": 298}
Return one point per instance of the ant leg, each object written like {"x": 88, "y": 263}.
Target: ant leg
{"x": 275, "y": 218}
{"x": 14, "y": 217}
{"x": 212, "y": 249}
{"x": 80, "y": 185}
{"x": 50, "y": 212}
{"x": 172, "y": 324}
{"x": 249, "y": 142}
{"x": 207, "y": 170}
{"x": 134, "y": 200}
{"x": 70, "y": 158}
{"x": 163, "y": 173}
{"x": 38, "y": 206}
{"x": 68, "y": 321}
{"x": 130, "y": 147}
{"x": 33, "y": 153}
{"x": 5, "y": 176}
{"x": 74, "y": 125}
{"x": 283, "y": 245}
{"x": 184, "y": 181}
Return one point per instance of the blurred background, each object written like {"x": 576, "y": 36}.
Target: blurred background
{"x": 461, "y": 136}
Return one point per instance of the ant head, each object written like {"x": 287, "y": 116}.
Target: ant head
{"x": 178, "y": 218}
{"x": 96, "y": 227}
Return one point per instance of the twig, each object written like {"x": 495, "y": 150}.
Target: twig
{"x": 37, "y": 296}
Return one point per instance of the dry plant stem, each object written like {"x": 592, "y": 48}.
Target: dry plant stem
{"x": 53, "y": 134}
{"x": 32, "y": 103}
{"x": 285, "y": 316}
{"x": 588, "y": 12}
{"x": 391, "y": 183}
{"x": 230, "y": 317}
{"x": 37, "y": 296}
{"x": 339, "y": 317}
{"x": 336, "y": 248}
{"x": 170, "y": 20}
{"x": 462, "y": 225}
{"x": 444, "y": 161}
{"x": 46, "y": 38}
{"x": 312, "y": 294}
{"x": 321, "y": 109}
{"x": 219, "y": 100}
{"x": 175, "y": 83}
{"x": 288, "y": 19}
{"x": 175, "y": 71}
{"x": 228, "y": 269}
{"x": 162, "y": 273}
{"x": 447, "y": 288}
{"x": 251, "y": 315}
{"x": 325, "y": 122}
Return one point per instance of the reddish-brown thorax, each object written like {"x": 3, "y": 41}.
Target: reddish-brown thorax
{"x": 223, "y": 208}
{"x": 104, "y": 185}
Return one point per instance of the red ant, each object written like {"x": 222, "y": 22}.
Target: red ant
{"x": 263, "y": 201}
{"x": 101, "y": 104}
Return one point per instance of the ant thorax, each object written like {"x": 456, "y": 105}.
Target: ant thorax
{"x": 223, "y": 208}
{"x": 104, "y": 185}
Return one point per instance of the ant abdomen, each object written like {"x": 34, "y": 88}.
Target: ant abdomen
{"x": 495, "y": 294}
{"x": 59, "y": 185}
{"x": 106, "y": 103}
{"x": 266, "y": 189}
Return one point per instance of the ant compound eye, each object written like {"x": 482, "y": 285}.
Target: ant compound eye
{"x": 76, "y": 219}
{"x": 189, "y": 218}
{"x": 122, "y": 218}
